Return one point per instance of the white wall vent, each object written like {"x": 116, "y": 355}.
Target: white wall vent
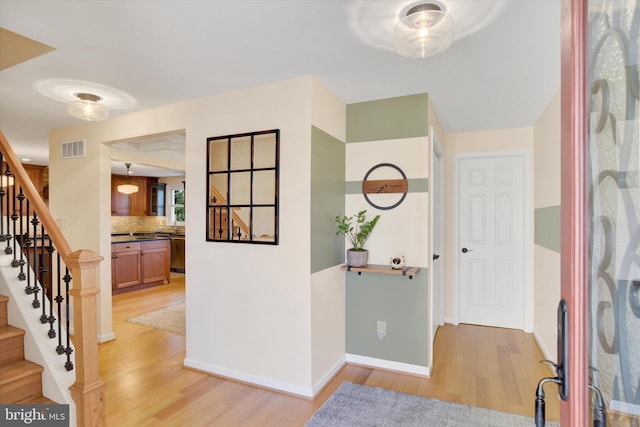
{"x": 73, "y": 149}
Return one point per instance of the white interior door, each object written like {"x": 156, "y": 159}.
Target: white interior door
{"x": 491, "y": 239}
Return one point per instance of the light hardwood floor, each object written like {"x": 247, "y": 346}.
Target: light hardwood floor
{"x": 146, "y": 384}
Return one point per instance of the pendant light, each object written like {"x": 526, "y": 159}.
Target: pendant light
{"x": 424, "y": 31}
{"x": 128, "y": 188}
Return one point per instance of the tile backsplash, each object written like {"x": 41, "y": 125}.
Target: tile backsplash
{"x": 142, "y": 224}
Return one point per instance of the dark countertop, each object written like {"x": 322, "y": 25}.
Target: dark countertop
{"x": 122, "y": 238}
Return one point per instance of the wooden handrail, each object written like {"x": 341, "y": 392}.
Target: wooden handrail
{"x": 88, "y": 389}
{"x": 234, "y": 215}
{"x": 35, "y": 200}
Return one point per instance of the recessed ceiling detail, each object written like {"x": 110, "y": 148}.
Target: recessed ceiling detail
{"x": 15, "y": 49}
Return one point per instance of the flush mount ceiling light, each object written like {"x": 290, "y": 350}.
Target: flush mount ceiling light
{"x": 127, "y": 188}
{"x": 425, "y": 30}
{"x": 87, "y": 107}
{"x": 84, "y": 99}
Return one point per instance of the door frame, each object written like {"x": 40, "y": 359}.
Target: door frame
{"x": 573, "y": 208}
{"x": 436, "y": 314}
{"x": 528, "y": 295}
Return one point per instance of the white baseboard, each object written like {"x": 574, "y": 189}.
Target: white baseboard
{"x": 389, "y": 365}
{"x": 545, "y": 351}
{"x": 244, "y": 377}
{"x": 451, "y": 320}
{"x": 106, "y": 337}
{"x": 322, "y": 383}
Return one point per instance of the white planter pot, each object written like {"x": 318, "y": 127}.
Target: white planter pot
{"x": 357, "y": 258}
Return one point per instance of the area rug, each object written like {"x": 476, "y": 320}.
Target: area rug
{"x": 354, "y": 405}
{"x": 170, "y": 319}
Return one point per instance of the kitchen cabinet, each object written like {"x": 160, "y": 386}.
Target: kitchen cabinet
{"x": 157, "y": 192}
{"x": 135, "y": 204}
{"x": 125, "y": 265}
{"x": 38, "y": 176}
{"x": 139, "y": 264}
{"x": 155, "y": 260}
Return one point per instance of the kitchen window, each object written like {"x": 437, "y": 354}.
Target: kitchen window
{"x": 176, "y": 205}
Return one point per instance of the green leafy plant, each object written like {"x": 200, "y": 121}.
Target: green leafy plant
{"x": 358, "y": 233}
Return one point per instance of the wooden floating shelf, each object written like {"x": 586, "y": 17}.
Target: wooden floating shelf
{"x": 383, "y": 269}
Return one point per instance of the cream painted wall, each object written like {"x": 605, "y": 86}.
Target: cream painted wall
{"x": 327, "y": 286}
{"x": 398, "y": 232}
{"x": 547, "y": 156}
{"x": 519, "y": 139}
{"x": 547, "y": 193}
{"x": 86, "y": 225}
{"x": 248, "y": 306}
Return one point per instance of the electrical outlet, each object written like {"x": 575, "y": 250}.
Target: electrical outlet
{"x": 381, "y": 329}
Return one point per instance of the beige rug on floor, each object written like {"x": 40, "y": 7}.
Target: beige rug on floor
{"x": 170, "y": 319}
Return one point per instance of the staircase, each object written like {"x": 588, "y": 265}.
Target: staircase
{"x": 20, "y": 379}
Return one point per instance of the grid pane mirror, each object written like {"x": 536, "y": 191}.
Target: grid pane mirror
{"x": 242, "y": 195}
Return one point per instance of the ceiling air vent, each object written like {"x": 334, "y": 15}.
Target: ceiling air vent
{"x": 73, "y": 149}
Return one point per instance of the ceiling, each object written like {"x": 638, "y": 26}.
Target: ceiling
{"x": 501, "y": 71}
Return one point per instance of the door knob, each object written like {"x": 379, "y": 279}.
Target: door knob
{"x": 435, "y": 256}
{"x": 465, "y": 250}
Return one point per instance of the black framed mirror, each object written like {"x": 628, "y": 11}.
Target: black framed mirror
{"x": 242, "y": 190}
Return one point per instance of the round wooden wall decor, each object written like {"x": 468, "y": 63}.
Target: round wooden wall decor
{"x": 376, "y": 191}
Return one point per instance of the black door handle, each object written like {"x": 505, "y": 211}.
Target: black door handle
{"x": 435, "y": 256}
{"x": 465, "y": 250}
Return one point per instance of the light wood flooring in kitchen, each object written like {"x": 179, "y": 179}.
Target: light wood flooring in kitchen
{"x": 146, "y": 384}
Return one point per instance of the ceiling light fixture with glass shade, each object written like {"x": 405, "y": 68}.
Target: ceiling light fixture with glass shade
{"x": 425, "y": 31}
{"x": 87, "y": 107}
{"x": 128, "y": 188}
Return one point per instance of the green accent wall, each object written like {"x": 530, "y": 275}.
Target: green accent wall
{"x": 392, "y": 118}
{"x": 327, "y": 199}
{"x": 416, "y": 185}
{"x": 547, "y": 227}
{"x": 397, "y": 300}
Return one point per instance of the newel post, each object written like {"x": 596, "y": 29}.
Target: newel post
{"x": 88, "y": 390}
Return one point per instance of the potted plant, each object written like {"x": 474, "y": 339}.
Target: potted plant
{"x": 357, "y": 234}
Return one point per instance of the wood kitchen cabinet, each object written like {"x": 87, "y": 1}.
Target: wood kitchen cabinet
{"x": 125, "y": 265}
{"x": 137, "y": 265}
{"x": 135, "y": 204}
{"x": 155, "y": 260}
{"x": 157, "y": 193}
{"x": 39, "y": 177}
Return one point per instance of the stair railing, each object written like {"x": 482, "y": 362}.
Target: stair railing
{"x": 238, "y": 225}
{"x": 53, "y": 274}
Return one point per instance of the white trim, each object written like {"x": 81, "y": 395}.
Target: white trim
{"x": 389, "y": 365}
{"x": 328, "y": 376}
{"x": 106, "y": 337}
{"x": 624, "y": 407}
{"x": 453, "y": 252}
{"x": 436, "y": 201}
{"x": 528, "y": 295}
{"x": 543, "y": 348}
{"x": 269, "y": 383}
{"x": 451, "y": 321}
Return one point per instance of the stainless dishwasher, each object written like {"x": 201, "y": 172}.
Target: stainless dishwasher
{"x": 177, "y": 254}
